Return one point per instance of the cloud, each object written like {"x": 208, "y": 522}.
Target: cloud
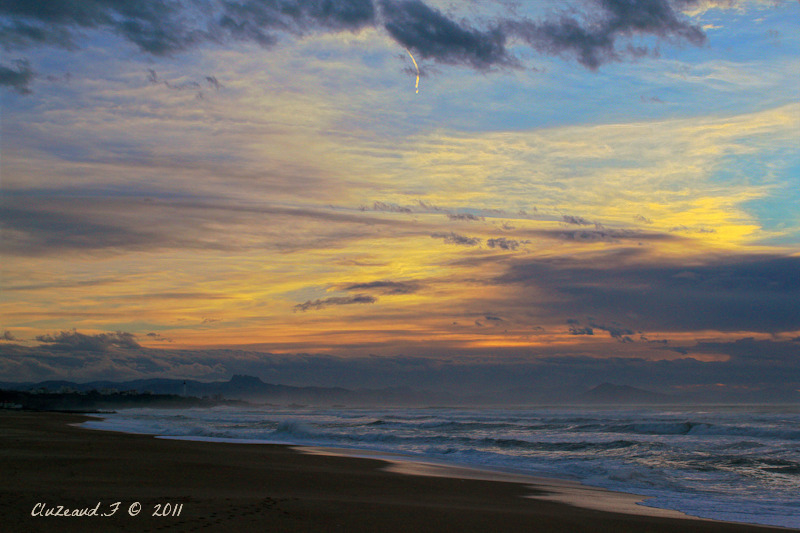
{"x": 157, "y": 27}
{"x": 578, "y": 221}
{"x": 503, "y": 243}
{"x": 102, "y": 342}
{"x": 165, "y": 28}
{"x": 616, "y": 332}
{"x": 162, "y": 28}
{"x": 158, "y": 337}
{"x": 761, "y": 352}
{"x": 733, "y": 293}
{"x": 768, "y": 367}
{"x": 593, "y": 41}
{"x": 36, "y": 224}
{"x": 33, "y": 231}
{"x": 604, "y": 235}
{"x": 575, "y": 329}
{"x": 213, "y": 82}
{"x": 335, "y": 300}
{"x": 7, "y": 336}
{"x": 388, "y": 208}
{"x": 254, "y": 20}
{"x": 464, "y": 216}
{"x": 210, "y": 81}
{"x": 17, "y": 78}
{"x": 385, "y": 287}
{"x": 431, "y": 35}
{"x": 454, "y": 238}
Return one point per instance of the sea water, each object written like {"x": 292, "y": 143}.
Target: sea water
{"x": 738, "y": 464}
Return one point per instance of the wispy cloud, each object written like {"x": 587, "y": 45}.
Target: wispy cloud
{"x": 74, "y": 341}
{"x": 335, "y": 300}
{"x": 455, "y": 238}
{"x": 578, "y": 221}
{"x": 385, "y": 287}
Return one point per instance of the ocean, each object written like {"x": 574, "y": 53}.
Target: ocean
{"x": 738, "y": 464}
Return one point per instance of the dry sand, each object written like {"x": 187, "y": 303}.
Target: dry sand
{"x": 45, "y": 462}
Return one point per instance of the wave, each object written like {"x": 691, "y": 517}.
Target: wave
{"x": 741, "y": 461}
{"x": 689, "y": 427}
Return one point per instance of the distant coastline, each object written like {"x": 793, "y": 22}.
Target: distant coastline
{"x": 94, "y": 401}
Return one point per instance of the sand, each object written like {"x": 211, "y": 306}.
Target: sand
{"x": 47, "y": 462}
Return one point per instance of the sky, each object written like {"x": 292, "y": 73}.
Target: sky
{"x": 569, "y": 190}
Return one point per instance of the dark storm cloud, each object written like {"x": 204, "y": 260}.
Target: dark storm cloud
{"x": 385, "y": 287}
{"x": 593, "y": 41}
{"x": 431, "y": 35}
{"x": 166, "y": 27}
{"x": 17, "y": 77}
{"x": 335, "y": 300}
{"x": 256, "y": 20}
{"x": 158, "y": 27}
{"x": 163, "y": 27}
{"x": 454, "y": 238}
{"x": 735, "y": 293}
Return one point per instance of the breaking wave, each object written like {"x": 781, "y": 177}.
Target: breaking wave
{"x": 729, "y": 464}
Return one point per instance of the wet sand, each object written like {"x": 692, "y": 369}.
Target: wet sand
{"x": 46, "y": 462}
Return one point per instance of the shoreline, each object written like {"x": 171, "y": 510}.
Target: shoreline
{"x": 227, "y": 486}
{"x": 571, "y": 492}
{"x": 558, "y": 489}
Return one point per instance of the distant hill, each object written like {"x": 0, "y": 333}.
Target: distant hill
{"x": 94, "y": 401}
{"x": 249, "y": 388}
{"x": 609, "y": 393}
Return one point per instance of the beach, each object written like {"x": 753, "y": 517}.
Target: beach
{"x": 47, "y": 462}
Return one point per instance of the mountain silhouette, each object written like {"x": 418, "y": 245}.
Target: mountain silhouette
{"x": 610, "y": 393}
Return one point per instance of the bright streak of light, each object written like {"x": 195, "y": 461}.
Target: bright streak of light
{"x": 416, "y": 86}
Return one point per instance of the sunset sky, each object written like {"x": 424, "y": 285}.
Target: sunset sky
{"x": 187, "y": 184}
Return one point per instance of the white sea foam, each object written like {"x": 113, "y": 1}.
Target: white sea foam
{"x": 723, "y": 463}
